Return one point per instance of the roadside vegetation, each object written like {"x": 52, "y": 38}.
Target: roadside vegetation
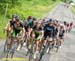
{"x": 73, "y": 9}
{"x": 24, "y": 8}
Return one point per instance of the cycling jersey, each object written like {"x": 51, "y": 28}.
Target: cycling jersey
{"x": 55, "y": 32}
{"x": 48, "y": 31}
{"x": 11, "y": 22}
{"x": 39, "y": 29}
{"x": 48, "y": 28}
{"x": 16, "y": 29}
{"x": 30, "y": 23}
{"x": 61, "y": 33}
{"x": 37, "y": 32}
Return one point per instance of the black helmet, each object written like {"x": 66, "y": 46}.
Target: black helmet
{"x": 65, "y": 22}
{"x": 14, "y": 16}
{"x": 50, "y": 20}
{"x": 34, "y": 18}
{"x": 17, "y": 17}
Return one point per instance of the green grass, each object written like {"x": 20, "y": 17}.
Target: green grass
{"x": 37, "y": 9}
{"x": 73, "y": 9}
{"x": 2, "y": 25}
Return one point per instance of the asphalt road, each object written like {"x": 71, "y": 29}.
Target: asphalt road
{"x": 67, "y": 52}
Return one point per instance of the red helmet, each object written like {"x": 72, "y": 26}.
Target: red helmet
{"x": 29, "y": 17}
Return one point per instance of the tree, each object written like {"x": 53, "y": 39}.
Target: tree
{"x": 11, "y": 4}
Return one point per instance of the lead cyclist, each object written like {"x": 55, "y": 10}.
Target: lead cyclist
{"x": 17, "y": 30}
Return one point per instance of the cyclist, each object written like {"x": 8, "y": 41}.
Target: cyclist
{"x": 37, "y": 30}
{"x": 65, "y": 26}
{"x": 27, "y": 21}
{"x": 8, "y": 25}
{"x": 56, "y": 26}
{"x": 8, "y": 30}
{"x": 70, "y": 26}
{"x": 49, "y": 33}
{"x": 18, "y": 29}
{"x": 49, "y": 29}
{"x": 61, "y": 35}
{"x": 32, "y": 22}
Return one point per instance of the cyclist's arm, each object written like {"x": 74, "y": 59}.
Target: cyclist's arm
{"x": 58, "y": 33}
{"x": 64, "y": 34}
{"x": 8, "y": 27}
{"x": 22, "y": 30}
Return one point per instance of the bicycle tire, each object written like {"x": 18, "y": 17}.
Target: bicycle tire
{"x": 5, "y": 46}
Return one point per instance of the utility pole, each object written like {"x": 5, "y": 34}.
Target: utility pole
{"x": 5, "y": 12}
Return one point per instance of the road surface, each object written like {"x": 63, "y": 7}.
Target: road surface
{"x": 67, "y": 52}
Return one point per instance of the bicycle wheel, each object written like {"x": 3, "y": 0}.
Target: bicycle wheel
{"x": 30, "y": 57}
{"x": 30, "y": 51}
{"x": 37, "y": 56}
{"x": 5, "y": 46}
{"x": 13, "y": 49}
{"x": 7, "y": 54}
{"x": 57, "y": 48}
{"x": 41, "y": 55}
{"x": 12, "y": 54}
{"x": 50, "y": 48}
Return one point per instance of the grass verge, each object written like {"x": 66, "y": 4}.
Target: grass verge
{"x": 73, "y": 9}
{"x": 38, "y": 11}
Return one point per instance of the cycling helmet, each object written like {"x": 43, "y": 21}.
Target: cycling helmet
{"x": 50, "y": 20}
{"x": 34, "y": 18}
{"x": 29, "y": 17}
{"x": 56, "y": 20}
{"x": 14, "y": 16}
{"x": 17, "y": 18}
{"x": 65, "y": 22}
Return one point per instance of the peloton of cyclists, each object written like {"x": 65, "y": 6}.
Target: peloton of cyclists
{"x": 39, "y": 30}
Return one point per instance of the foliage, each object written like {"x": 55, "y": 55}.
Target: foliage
{"x": 24, "y": 8}
{"x": 11, "y": 4}
{"x": 73, "y": 9}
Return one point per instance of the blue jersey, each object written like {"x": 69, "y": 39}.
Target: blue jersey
{"x": 48, "y": 31}
{"x": 48, "y": 28}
